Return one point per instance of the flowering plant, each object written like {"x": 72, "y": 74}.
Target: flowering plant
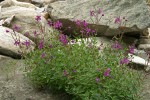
{"x": 83, "y": 70}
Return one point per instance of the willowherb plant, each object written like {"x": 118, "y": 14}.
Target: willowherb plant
{"x": 23, "y": 45}
{"x": 82, "y": 69}
{"x": 83, "y": 72}
{"x": 97, "y": 15}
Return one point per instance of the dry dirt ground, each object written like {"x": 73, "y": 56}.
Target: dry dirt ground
{"x": 14, "y": 86}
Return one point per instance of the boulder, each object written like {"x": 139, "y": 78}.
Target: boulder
{"x": 141, "y": 53}
{"x": 144, "y": 41}
{"x": 140, "y": 61}
{"x": 8, "y": 3}
{"x": 136, "y": 13}
{"x": 8, "y": 45}
{"x": 144, "y": 47}
{"x": 7, "y": 21}
{"x": 25, "y": 19}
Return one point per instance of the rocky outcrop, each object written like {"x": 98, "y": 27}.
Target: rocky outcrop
{"x": 140, "y": 61}
{"x": 25, "y": 19}
{"x": 115, "y": 17}
{"x": 8, "y": 3}
{"x": 14, "y": 45}
{"x": 144, "y": 41}
{"x": 111, "y": 12}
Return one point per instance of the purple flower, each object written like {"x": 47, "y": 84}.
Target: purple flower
{"x": 26, "y": 43}
{"x": 93, "y": 31}
{"x": 91, "y": 13}
{"x": 50, "y": 46}
{"x": 42, "y": 55}
{"x": 124, "y": 61}
{"x": 38, "y": 18}
{"x": 57, "y": 25}
{"x": 35, "y": 33}
{"x": 99, "y": 11}
{"x": 87, "y": 30}
{"x": 102, "y": 14}
{"x": 78, "y": 22}
{"x": 117, "y": 20}
{"x": 106, "y": 73}
{"x": 84, "y": 23}
{"x": 63, "y": 39}
{"x": 97, "y": 79}
{"x": 72, "y": 41}
{"x": 131, "y": 49}
{"x": 41, "y": 44}
{"x": 82, "y": 31}
{"x": 116, "y": 45}
{"x": 7, "y": 31}
{"x": 65, "y": 73}
{"x": 74, "y": 71}
{"x": 17, "y": 42}
{"x": 15, "y": 28}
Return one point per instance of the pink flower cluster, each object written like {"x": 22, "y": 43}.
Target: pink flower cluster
{"x": 63, "y": 39}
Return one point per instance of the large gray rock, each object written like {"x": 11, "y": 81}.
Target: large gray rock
{"x": 18, "y": 11}
{"x": 25, "y": 19}
{"x": 136, "y": 12}
{"x": 8, "y": 3}
{"x": 144, "y": 47}
{"x": 144, "y": 41}
{"x": 7, "y": 46}
{"x": 138, "y": 60}
{"x": 141, "y": 53}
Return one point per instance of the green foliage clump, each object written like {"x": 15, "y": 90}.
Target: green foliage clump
{"x": 84, "y": 71}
